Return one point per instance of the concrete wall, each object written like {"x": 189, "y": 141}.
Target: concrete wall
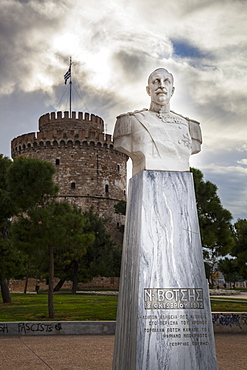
{"x": 57, "y": 327}
{"x": 227, "y": 322}
{"x": 230, "y": 322}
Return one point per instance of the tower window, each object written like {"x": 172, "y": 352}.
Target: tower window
{"x": 72, "y": 185}
{"x": 107, "y": 188}
{"x": 57, "y": 162}
{"x": 118, "y": 167}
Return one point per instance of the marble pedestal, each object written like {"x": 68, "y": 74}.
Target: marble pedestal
{"x": 164, "y": 317}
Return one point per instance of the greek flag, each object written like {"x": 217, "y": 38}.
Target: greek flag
{"x": 67, "y": 75}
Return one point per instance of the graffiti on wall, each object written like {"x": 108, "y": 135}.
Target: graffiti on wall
{"x": 231, "y": 320}
{"x": 25, "y": 327}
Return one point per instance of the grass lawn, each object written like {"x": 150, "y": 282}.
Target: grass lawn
{"x": 68, "y": 307}
{"x": 228, "y": 305}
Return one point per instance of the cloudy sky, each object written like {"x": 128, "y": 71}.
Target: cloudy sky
{"x": 114, "y": 45}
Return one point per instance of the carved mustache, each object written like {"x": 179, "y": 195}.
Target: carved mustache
{"x": 161, "y": 90}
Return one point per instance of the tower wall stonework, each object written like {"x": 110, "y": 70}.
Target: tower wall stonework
{"x": 89, "y": 171}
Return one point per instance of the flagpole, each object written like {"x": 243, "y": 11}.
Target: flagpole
{"x": 70, "y": 85}
{"x": 66, "y": 77}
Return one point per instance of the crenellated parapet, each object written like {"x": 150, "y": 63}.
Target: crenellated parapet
{"x": 78, "y": 120}
{"x": 60, "y": 131}
{"x": 23, "y": 144}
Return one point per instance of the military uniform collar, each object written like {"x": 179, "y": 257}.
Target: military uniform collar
{"x": 161, "y": 109}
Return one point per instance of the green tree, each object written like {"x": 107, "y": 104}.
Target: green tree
{"x": 240, "y": 248}
{"x": 68, "y": 261}
{"x": 23, "y": 183}
{"x": 11, "y": 265}
{"x": 30, "y": 182}
{"x": 7, "y": 251}
{"x": 52, "y": 226}
{"x": 230, "y": 270}
{"x": 7, "y": 206}
{"x": 102, "y": 257}
{"x": 214, "y": 220}
{"x": 120, "y": 207}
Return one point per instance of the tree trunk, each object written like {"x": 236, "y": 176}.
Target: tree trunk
{"x": 51, "y": 277}
{"x": 59, "y": 285}
{"x": 26, "y": 284}
{"x": 62, "y": 281}
{"x": 5, "y": 291}
{"x": 75, "y": 277}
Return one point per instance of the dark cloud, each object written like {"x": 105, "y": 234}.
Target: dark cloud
{"x": 133, "y": 64}
{"x": 24, "y": 37}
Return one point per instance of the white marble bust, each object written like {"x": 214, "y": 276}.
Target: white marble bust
{"x": 157, "y": 138}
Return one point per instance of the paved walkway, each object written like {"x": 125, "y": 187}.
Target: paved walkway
{"x": 95, "y": 352}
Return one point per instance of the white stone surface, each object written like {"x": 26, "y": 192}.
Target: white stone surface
{"x": 162, "y": 264}
{"x": 158, "y": 139}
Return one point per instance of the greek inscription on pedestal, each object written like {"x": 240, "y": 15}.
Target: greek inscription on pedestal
{"x": 173, "y": 298}
{"x": 178, "y": 330}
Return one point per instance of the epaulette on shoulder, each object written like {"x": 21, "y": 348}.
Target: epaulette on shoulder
{"x": 138, "y": 111}
{"x": 132, "y": 113}
{"x": 180, "y": 115}
{"x": 187, "y": 118}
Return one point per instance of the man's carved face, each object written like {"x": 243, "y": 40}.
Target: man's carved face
{"x": 160, "y": 86}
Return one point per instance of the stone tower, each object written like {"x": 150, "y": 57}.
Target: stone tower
{"x": 89, "y": 171}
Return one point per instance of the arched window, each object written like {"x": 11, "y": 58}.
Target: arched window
{"x": 57, "y": 162}
{"x": 107, "y": 188}
{"x": 72, "y": 185}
